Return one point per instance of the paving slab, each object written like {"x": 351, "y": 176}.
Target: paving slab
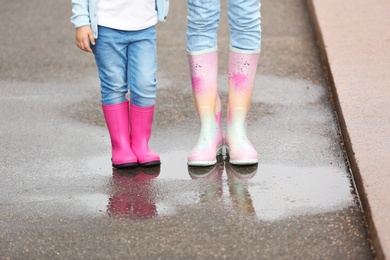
{"x": 60, "y": 198}
{"x": 356, "y": 40}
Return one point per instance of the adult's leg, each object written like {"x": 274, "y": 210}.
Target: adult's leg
{"x": 245, "y": 24}
{"x": 204, "y": 70}
{"x": 202, "y": 25}
{"x": 245, "y": 31}
{"x": 203, "y": 18}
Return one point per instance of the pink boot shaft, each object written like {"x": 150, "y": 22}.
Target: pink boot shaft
{"x": 141, "y": 120}
{"x": 204, "y": 72}
{"x": 242, "y": 73}
{"x": 117, "y": 119}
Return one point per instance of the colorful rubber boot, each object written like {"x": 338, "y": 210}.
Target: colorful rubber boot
{"x": 242, "y": 72}
{"x": 204, "y": 72}
{"x": 141, "y": 119}
{"x": 117, "y": 119}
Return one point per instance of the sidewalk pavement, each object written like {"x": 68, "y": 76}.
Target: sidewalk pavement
{"x": 355, "y": 38}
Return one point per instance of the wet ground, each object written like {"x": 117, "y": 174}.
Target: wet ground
{"x": 61, "y": 198}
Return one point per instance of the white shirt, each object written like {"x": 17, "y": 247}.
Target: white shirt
{"x": 127, "y": 15}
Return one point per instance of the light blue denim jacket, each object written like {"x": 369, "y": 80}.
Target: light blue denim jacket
{"x": 84, "y": 13}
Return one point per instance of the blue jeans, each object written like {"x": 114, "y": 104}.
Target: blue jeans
{"x": 127, "y": 61}
{"x": 244, "y": 21}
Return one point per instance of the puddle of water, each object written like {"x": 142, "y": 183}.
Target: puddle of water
{"x": 264, "y": 191}
{"x": 271, "y": 192}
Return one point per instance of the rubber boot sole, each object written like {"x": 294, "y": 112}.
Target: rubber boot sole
{"x": 125, "y": 165}
{"x": 206, "y": 163}
{"x": 241, "y": 161}
{"x": 150, "y": 163}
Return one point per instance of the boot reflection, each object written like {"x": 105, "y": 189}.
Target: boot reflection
{"x": 238, "y": 182}
{"x": 132, "y": 193}
{"x": 212, "y": 190}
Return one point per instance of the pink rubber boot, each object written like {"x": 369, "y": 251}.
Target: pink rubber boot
{"x": 117, "y": 119}
{"x": 204, "y": 72}
{"x": 242, "y": 72}
{"x": 141, "y": 119}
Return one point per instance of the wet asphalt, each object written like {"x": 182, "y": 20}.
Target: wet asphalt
{"x": 60, "y": 197}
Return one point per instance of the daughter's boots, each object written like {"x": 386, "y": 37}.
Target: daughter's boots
{"x": 242, "y": 72}
{"x": 117, "y": 119}
{"x": 141, "y": 120}
{"x": 204, "y": 72}
{"x": 129, "y": 138}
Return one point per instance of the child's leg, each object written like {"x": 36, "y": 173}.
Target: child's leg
{"x": 142, "y": 67}
{"x": 111, "y": 61}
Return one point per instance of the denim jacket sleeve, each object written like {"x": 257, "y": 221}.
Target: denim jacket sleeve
{"x": 80, "y": 13}
{"x": 162, "y": 7}
{"x": 83, "y": 14}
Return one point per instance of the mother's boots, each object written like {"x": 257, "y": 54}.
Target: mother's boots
{"x": 242, "y": 73}
{"x": 204, "y": 72}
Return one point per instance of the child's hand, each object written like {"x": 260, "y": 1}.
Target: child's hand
{"x": 84, "y": 36}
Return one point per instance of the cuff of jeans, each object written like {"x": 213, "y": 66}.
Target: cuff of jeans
{"x": 245, "y": 51}
{"x": 202, "y": 51}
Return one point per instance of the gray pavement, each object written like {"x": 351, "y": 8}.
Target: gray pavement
{"x": 60, "y": 198}
{"x": 356, "y": 40}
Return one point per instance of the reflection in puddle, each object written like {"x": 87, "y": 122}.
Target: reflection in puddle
{"x": 237, "y": 184}
{"x": 131, "y": 193}
{"x": 269, "y": 192}
{"x": 212, "y": 178}
{"x": 265, "y": 191}
{"x": 238, "y": 178}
